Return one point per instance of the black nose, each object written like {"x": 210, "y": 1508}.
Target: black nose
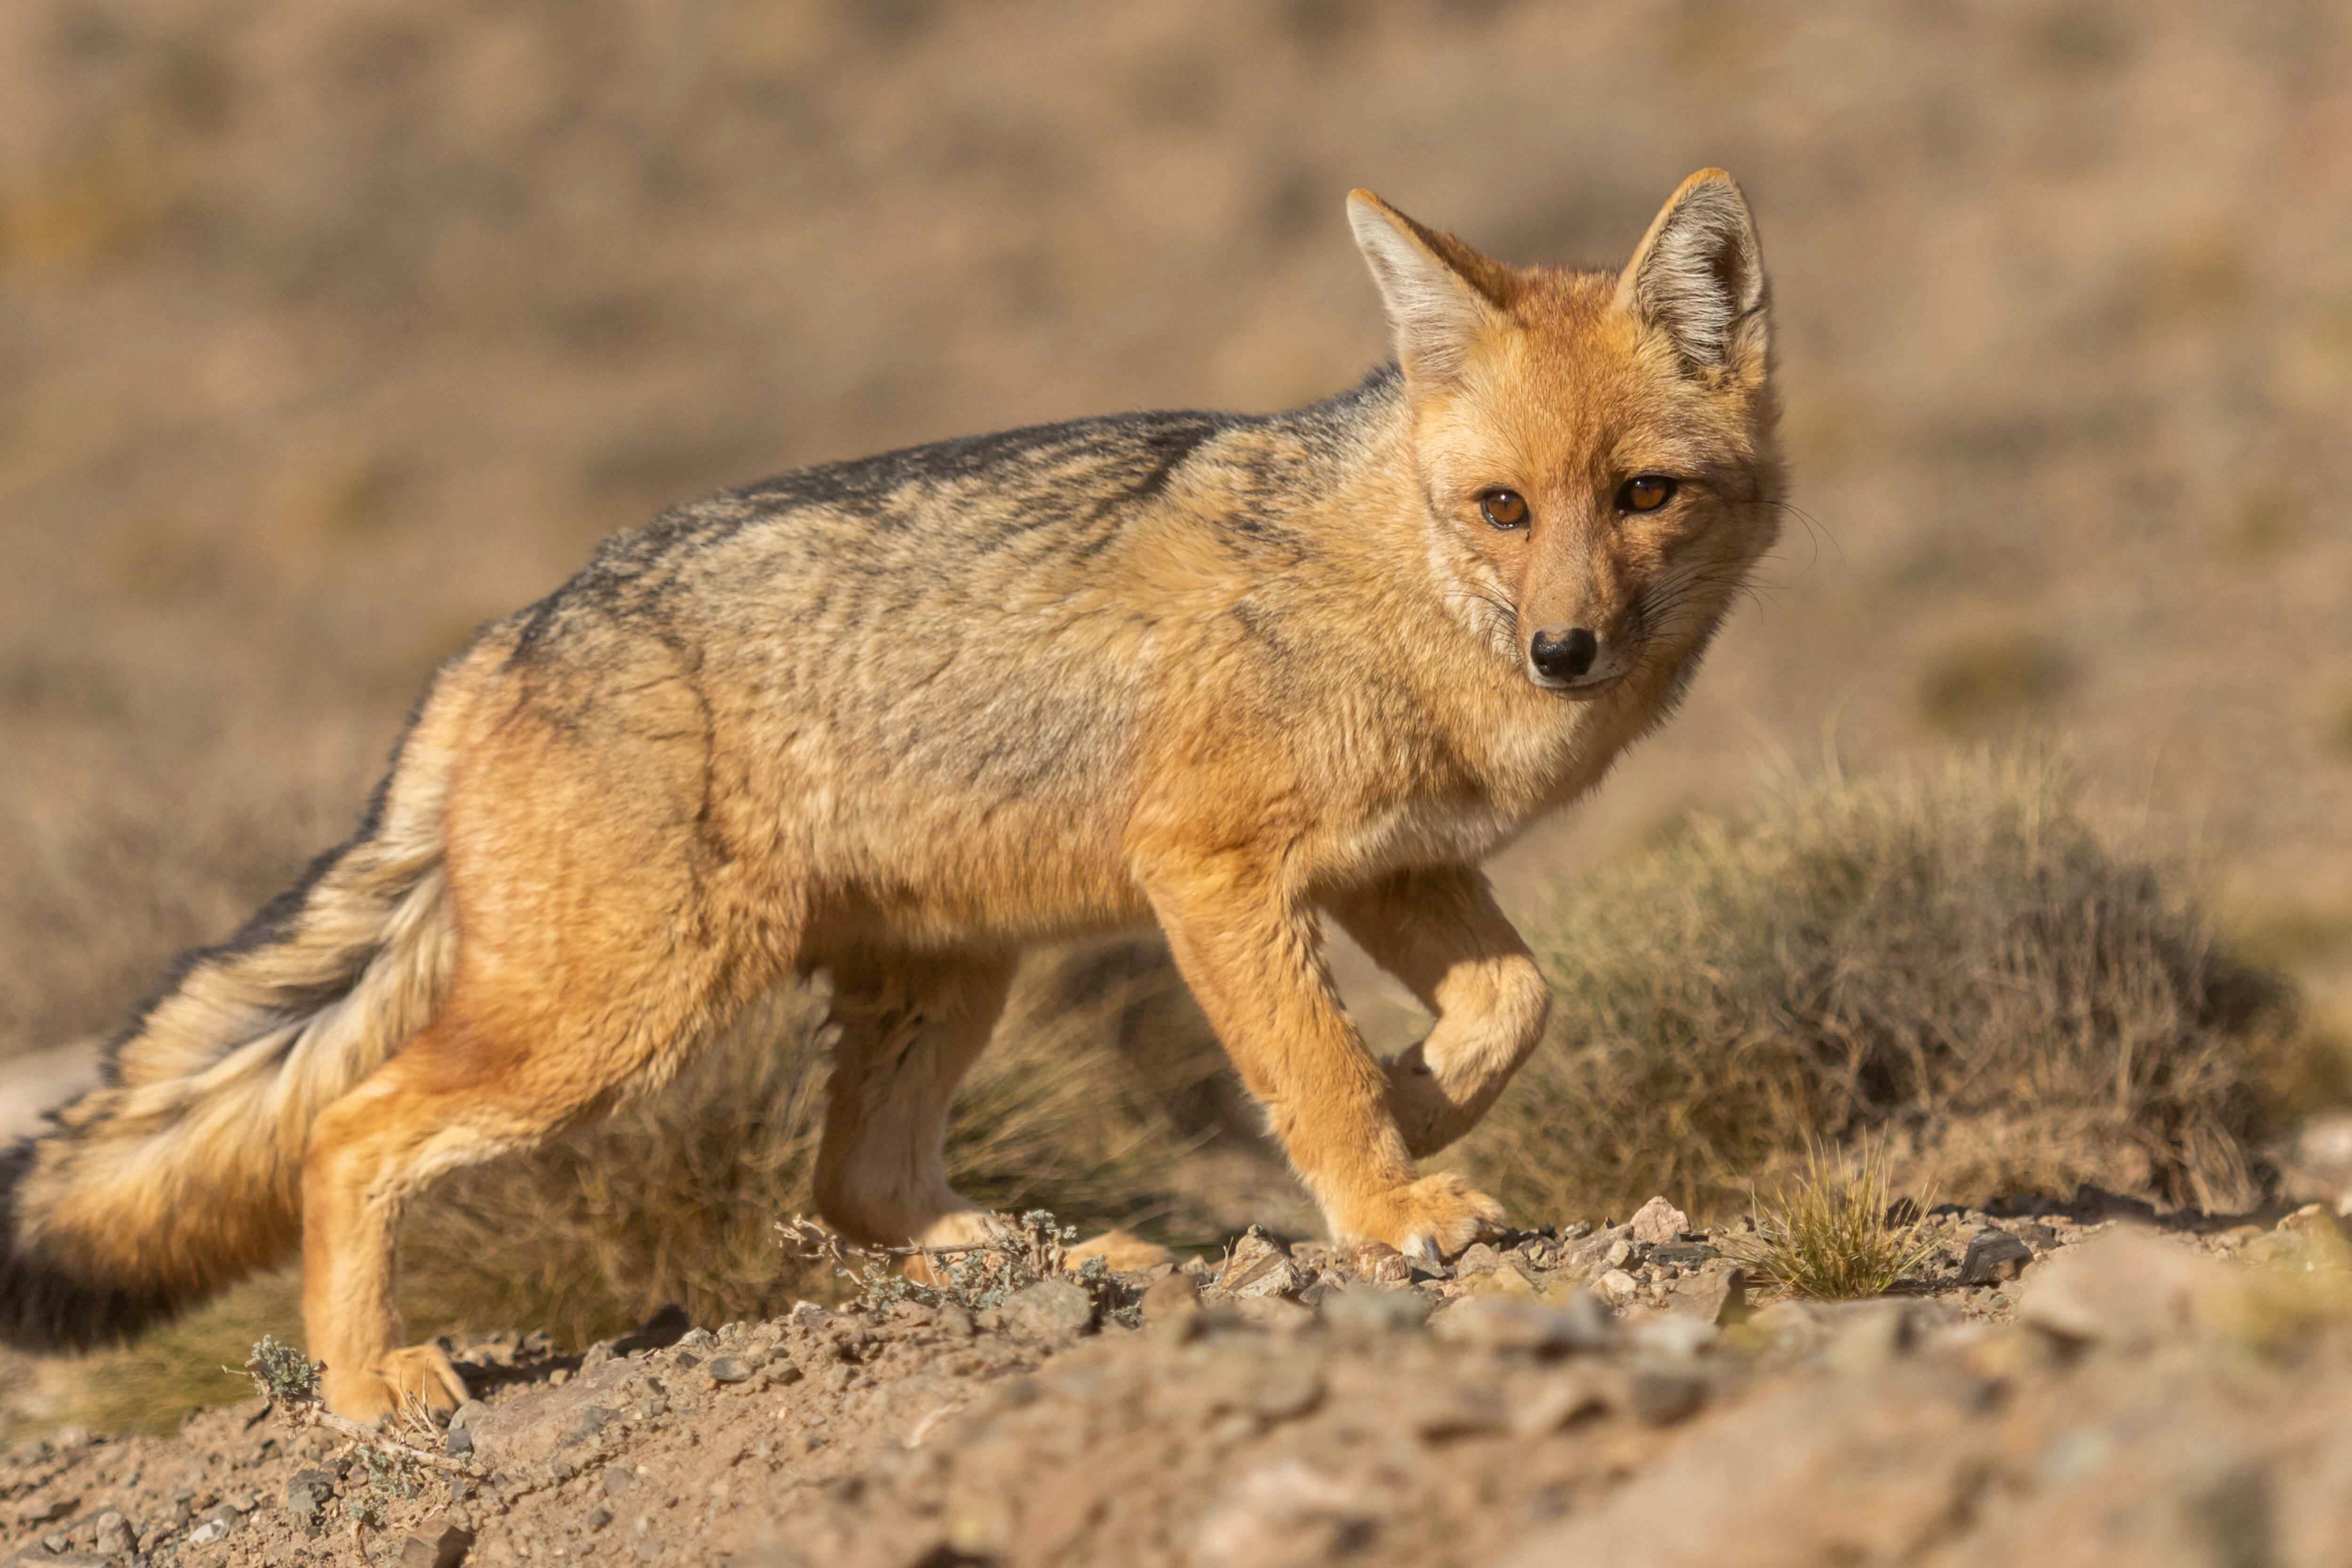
{"x": 1565, "y": 657}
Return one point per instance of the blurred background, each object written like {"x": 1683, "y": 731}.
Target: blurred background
{"x": 330, "y": 329}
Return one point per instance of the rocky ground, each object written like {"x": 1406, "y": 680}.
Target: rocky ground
{"x": 2057, "y": 1383}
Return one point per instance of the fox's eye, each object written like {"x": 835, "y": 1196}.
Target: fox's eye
{"x": 1645, "y": 492}
{"x": 1502, "y": 508}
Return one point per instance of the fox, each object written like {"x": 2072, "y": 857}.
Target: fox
{"x": 894, "y": 720}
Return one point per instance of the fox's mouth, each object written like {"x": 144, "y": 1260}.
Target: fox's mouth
{"x": 1575, "y": 691}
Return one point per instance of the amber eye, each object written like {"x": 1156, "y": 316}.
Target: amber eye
{"x": 1644, "y": 493}
{"x": 1504, "y": 509}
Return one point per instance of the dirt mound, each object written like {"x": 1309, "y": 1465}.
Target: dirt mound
{"x": 2077, "y": 1381}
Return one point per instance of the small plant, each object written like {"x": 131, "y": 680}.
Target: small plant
{"x": 1831, "y": 1236}
{"x": 975, "y": 1277}
{"x": 282, "y": 1375}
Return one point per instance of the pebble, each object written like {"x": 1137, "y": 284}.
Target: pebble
{"x": 1479, "y": 1258}
{"x": 1616, "y": 1287}
{"x": 114, "y": 1535}
{"x": 1372, "y": 1309}
{"x": 1050, "y": 1310}
{"x": 1175, "y": 1296}
{"x": 1256, "y": 1267}
{"x": 1502, "y": 1324}
{"x": 1658, "y": 1222}
{"x": 1660, "y": 1397}
{"x": 435, "y": 1544}
{"x": 1993, "y": 1257}
{"x": 729, "y": 1369}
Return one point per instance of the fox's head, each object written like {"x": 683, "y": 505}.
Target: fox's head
{"x": 1595, "y": 449}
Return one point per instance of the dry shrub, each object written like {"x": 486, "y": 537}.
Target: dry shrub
{"x": 1955, "y": 961}
{"x": 1828, "y": 1233}
{"x": 676, "y": 1198}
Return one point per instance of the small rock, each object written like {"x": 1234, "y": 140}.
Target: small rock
{"x": 114, "y": 1535}
{"x": 1672, "y": 1337}
{"x": 1050, "y": 1310}
{"x": 1717, "y": 1294}
{"x": 1616, "y": 1287}
{"x": 1380, "y": 1263}
{"x": 1172, "y": 1296}
{"x": 435, "y": 1544}
{"x": 1478, "y": 1258}
{"x": 465, "y": 1414}
{"x": 695, "y": 1338}
{"x": 562, "y": 1470}
{"x": 1538, "y": 1407}
{"x": 1994, "y": 1257}
{"x": 1683, "y": 1255}
{"x": 204, "y": 1534}
{"x": 600, "y": 1518}
{"x": 1371, "y": 1309}
{"x": 1278, "y": 1314}
{"x": 1659, "y": 1396}
{"x": 1287, "y": 1389}
{"x": 459, "y": 1441}
{"x": 1618, "y": 1253}
{"x": 1256, "y": 1267}
{"x": 1658, "y": 1222}
{"x": 1499, "y": 1323}
{"x": 618, "y": 1479}
{"x": 307, "y": 1493}
{"x": 40, "y": 1510}
{"x": 1507, "y": 1281}
{"x": 729, "y": 1369}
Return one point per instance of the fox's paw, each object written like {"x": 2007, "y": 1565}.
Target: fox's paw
{"x": 963, "y": 1227}
{"x": 418, "y": 1375}
{"x": 1431, "y": 1219}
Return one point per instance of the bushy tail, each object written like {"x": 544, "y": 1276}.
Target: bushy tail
{"x": 181, "y": 1173}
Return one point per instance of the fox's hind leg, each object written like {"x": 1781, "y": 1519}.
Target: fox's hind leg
{"x": 466, "y": 1089}
{"x": 910, "y": 1025}
{"x": 604, "y": 932}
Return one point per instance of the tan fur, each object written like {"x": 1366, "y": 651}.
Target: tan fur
{"x": 896, "y": 719}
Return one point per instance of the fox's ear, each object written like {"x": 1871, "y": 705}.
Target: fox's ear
{"x": 1699, "y": 276}
{"x": 1440, "y": 293}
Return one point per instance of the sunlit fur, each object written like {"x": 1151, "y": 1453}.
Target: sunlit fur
{"x": 896, "y": 719}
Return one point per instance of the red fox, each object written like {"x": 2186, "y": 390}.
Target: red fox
{"x": 897, "y": 719}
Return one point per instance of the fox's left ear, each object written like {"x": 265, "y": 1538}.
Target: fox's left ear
{"x": 1440, "y": 295}
{"x": 1699, "y": 277}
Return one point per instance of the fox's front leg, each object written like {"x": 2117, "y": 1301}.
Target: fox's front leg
{"x": 1440, "y": 932}
{"x": 1252, "y": 950}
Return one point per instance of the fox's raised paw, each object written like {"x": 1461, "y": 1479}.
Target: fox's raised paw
{"x": 418, "y": 1373}
{"x": 1431, "y": 1219}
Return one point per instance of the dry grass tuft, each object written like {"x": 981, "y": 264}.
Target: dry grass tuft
{"x": 675, "y": 1199}
{"x": 1828, "y": 1235}
{"x": 1956, "y": 962}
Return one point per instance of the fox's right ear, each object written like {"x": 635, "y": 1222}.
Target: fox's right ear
{"x": 1440, "y": 293}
